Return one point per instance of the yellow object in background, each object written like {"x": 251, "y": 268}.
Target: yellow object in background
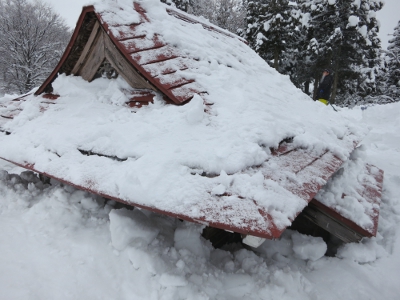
{"x": 326, "y": 102}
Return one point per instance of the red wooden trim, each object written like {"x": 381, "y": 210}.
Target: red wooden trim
{"x": 67, "y": 51}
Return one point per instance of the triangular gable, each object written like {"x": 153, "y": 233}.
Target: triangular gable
{"x": 145, "y": 61}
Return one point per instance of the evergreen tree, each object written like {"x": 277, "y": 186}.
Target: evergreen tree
{"x": 272, "y": 30}
{"x": 297, "y": 63}
{"x": 227, "y": 14}
{"x": 393, "y": 65}
{"x": 344, "y": 38}
{"x": 369, "y": 47}
{"x": 180, "y": 4}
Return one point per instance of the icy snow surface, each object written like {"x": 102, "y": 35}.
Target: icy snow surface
{"x": 167, "y": 148}
{"x": 60, "y": 243}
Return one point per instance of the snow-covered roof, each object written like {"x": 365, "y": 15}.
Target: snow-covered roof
{"x": 246, "y": 153}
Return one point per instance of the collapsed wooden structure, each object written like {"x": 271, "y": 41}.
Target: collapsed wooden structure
{"x": 150, "y": 65}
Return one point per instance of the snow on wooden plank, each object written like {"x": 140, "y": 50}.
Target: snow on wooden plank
{"x": 166, "y": 67}
{"x": 352, "y": 197}
{"x": 142, "y": 44}
{"x": 155, "y": 55}
{"x": 310, "y": 179}
{"x": 185, "y": 92}
{"x": 126, "y": 32}
{"x": 234, "y": 212}
{"x": 172, "y": 80}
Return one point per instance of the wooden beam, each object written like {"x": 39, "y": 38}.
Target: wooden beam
{"x": 87, "y": 49}
{"x": 331, "y": 224}
{"x": 95, "y": 58}
{"x": 124, "y": 67}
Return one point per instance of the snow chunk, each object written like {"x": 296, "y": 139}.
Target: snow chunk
{"x": 168, "y": 280}
{"x": 366, "y": 251}
{"x": 128, "y": 226}
{"x": 119, "y": 14}
{"x": 308, "y": 247}
{"x": 353, "y": 21}
{"x": 195, "y": 110}
{"x": 363, "y": 30}
{"x": 332, "y": 2}
{"x": 188, "y": 236}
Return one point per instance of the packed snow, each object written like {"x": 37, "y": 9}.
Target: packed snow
{"x": 57, "y": 242}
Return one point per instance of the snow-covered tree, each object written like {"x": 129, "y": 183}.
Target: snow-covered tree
{"x": 272, "y": 29}
{"x": 344, "y": 38}
{"x": 364, "y": 13}
{"x": 393, "y": 65}
{"x": 180, "y": 4}
{"x": 32, "y": 39}
{"x": 228, "y": 14}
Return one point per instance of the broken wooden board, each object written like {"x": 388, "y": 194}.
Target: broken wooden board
{"x": 348, "y": 227}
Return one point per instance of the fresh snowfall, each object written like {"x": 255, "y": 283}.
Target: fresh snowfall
{"x": 57, "y": 242}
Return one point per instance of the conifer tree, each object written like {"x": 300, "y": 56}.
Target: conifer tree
{"x": 272, "y": 29}
{"x": 180, "y": 4}
{"x": 393, "y": 65}
{"x": 344, "y": 38}
{"x": 369, "y": 45}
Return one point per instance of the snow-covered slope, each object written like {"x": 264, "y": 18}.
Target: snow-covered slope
{"x": 60, "y": 243}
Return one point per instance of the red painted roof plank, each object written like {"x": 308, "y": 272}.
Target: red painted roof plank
{"x": 172, "y": 80}
{"x": 155, "y": 55}
{"x": 186, "y": 92}
{"x": 167, "y": 66}
{"x": 141, "y": 44}
{"x": 371, "y": 192}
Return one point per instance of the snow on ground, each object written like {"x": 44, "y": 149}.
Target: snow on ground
{"x": 57, "y": 242}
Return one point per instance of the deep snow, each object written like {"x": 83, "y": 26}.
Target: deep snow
{"x": 60, "y": 243}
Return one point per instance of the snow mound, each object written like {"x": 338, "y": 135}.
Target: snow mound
{"x": 188, "y": 237}
{"x": 131, "y": 226}
{"x": 308, "y": 247}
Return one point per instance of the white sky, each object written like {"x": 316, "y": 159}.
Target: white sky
{"x": 388, "y": 16}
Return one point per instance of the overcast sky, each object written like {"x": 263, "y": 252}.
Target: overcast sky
{"x": 388, "y": 16}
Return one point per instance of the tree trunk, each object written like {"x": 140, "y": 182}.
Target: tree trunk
{"x": 276, "y": 59}
{"x": 335, "y": 82}
{"x": 316, "y": 83}
{"x": 336, "y": 77}
{"x": 307, "y": 87}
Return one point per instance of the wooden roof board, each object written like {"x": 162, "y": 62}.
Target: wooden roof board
{"x": 300, "y": 174}
{"x": 371, "y": 192}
